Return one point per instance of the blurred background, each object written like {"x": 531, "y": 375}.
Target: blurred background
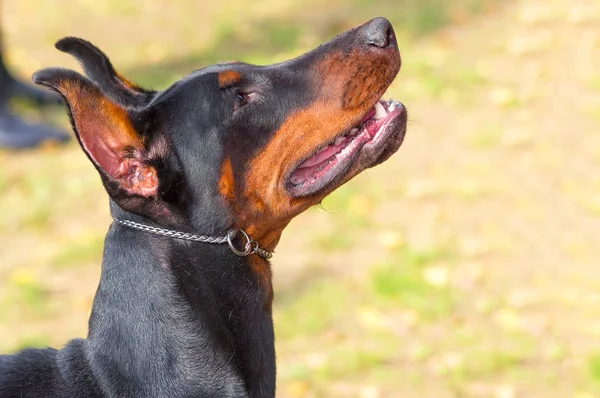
{"x": 468, "y": 265}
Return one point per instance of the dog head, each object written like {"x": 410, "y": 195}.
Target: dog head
{"x": 237, "y": 145}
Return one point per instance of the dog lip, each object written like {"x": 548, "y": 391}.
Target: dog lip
{"x": 342, "y": 133}
{"x": 368, "y": 115}
{"x": 368, "y": 151}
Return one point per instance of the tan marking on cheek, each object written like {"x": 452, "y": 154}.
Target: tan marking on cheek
{"x": 299, "y": 136}
{"x": 229, "y": 78}
{"x": 226, "y": 181}
{"x": 259, "y": 266}
{"x": 348, "y": 85}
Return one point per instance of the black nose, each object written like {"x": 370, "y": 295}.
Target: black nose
{"x": 379, "y": 33}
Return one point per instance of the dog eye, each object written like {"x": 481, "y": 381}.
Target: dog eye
{"x": 243, "y": 99}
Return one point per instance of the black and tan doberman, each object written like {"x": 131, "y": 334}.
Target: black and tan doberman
{"x": 203, "y": 178}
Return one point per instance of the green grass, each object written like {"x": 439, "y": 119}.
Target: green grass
{"x": 351, "y": 208}
{"x": 39, "y": 188}
{"x": 33, "y": 296}
{"x": 314, "y": 311}
{"x": 84, "y": 248}
{"x": 333, "y": 241}
{"x": 487, "y": 137}
{"x": 351, "y": 361}
{"x": 431, "y": 76}
{"x": 34, "y": 341}
{"x": 594, "y": 366}
{"x": 25, "y": 295}
{"x": 401, "y": 281}
{"x": 353, "y": 204}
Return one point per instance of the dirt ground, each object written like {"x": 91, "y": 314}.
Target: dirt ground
{"x": 496, "y": 188}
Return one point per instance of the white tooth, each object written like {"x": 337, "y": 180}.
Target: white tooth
{"x": 392, "y": 107}
{"x": 354, "y": 130}
{"x": 338, "y": 140}
{"x": 380, "y": 112}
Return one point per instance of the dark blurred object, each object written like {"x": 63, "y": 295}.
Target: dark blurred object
{"x": 15, "y": 133}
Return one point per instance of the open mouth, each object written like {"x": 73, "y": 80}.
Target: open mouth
{"x": 377, "y": 131}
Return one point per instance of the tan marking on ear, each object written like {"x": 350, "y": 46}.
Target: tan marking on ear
{"x": 90, "y": 107}
{"x": 120, "y": 132}
{"x": 229, "y": 78}
{"x": 108, "y": 136}
{"x": 126, "y": 82}
{"x": 122, "y": 127}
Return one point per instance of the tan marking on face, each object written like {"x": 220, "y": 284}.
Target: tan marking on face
{"x": 271, "y": 207}
{"x": 226, "y": 181}
{"x": 259, "y": 266}
{"x": 229, "y": 78}
{"x": 349, "y": 85}
{"x": 355, "y": 79}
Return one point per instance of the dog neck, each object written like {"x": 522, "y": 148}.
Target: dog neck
{"x": 192, "y": 305}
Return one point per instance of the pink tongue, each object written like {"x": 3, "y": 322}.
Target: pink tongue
{"x": 322, "y": 155}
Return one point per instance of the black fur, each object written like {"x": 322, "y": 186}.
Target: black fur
{"x": 173, "y": 318}
{"x": 99, "y": 69}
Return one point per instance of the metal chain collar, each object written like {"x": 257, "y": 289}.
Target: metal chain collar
{"x": 250, "y": 247}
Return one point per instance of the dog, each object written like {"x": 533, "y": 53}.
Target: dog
{"x": 202, "y": 179}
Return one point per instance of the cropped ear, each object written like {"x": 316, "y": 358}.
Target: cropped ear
{"x": 106, "y": 133}
{"x": 100, "y": 70}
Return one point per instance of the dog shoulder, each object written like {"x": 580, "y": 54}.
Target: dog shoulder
{"x": 28, "y": 373}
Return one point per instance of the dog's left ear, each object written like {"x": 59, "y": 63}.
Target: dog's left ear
{"x": 106, "y": 133}
{"x": 100, "y": 70}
